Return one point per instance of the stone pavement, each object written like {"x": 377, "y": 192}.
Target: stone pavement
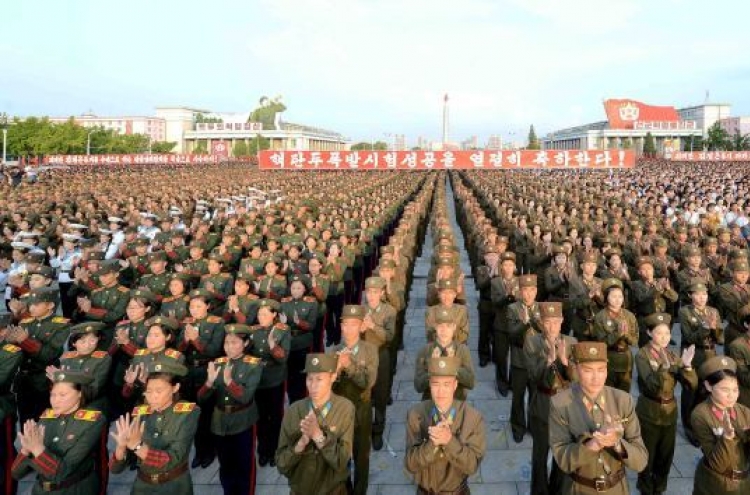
{"x": 506, "y": 469}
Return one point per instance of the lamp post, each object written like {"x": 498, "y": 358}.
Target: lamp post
{"x": 88, "y": 143}
{"x": 4, "y": 124}
{"x": 5, "y": 139}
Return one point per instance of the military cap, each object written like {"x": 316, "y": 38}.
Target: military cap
{"x": 551, "y": 309}
{"x": 443, "y": 366}
{"x": 197, "y": 244}
{"x": 447, "y": 283}
{"x": 444, "y": 316}
{"x": 87, "y": 327}
{"x": 508, "y": 256}
{"x": 661, "y": 242}
{"x": 77, "y": 226}
{"x": 237, "y": 329}
{"x": 163, "y": 321}
{"x": 697, "y": 286}
{"x": 611, "y": 283}
{"x": 215, "y": 256}
{"x": 157, "y": 256}
{"x": 387, "y": 250}
{"x": 491, "y": 249}
{"x": 717, "y": 363}
{"x": 21, "y": 246}
{"x": 446, "y": 261}
{"x": 76, "y": 377}
{"x": 35, "y": 257}
{"x": 722, "y": 231}
{"x": 131, "y": 229}
{"x": 44, "y": 271}
{"x": 321, "y": 363}
{"x": 143, "y": 294}
{"x": 88, "y": 242}
{"x": 643, "y": 260}
{"x": 168, "y": 366}
{"x": 656, "y": 319}
{"x": 710, "y": 241}
{"x": 692, "y": 251}
{"x": 244, "y": 276}
{"x": 109, "y": 266}
{"x": 42, "y": 295}
{"x": 587, "y": 352}
{"x": 375, "y": 283}
{"x": 557, "y": 249}
{"x": 353, "y": 311}
{"x": 94, "y": 256}
{"x": 387, "y": 264}
{"x": 71, "y": 237}
{"x": 612, "y": 252}
{"x": 590, "y": 257}
{"x": 183, "y": 277}
{"x": 681, "y": 229}
{"x": 142, "y": 241}
{"x": 527, "y": 280}
{"x": 117, "y": 220}
{"x": 740, "y": 265}
{"x": 203, "y": 293}
{"x": 271, "y": 304}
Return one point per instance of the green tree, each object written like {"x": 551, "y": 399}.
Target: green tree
{"x": 240, "y": 149}
{"x": 533, "y": 140}
{"x": 362, "y": 145}
{"x": 718, "y": 138}
{"x": 258, "y": 143}
{"x": 627, "y": 143}
{"x": 649, "y": 145}
{"x": 738, "y": 142}
{"x": 201, "y": 147}
{"x": 202, "y": 119}
{"x": 163, "y": 146}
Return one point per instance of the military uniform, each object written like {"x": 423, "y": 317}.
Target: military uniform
{"x": 301, "y": 317}
{"x": 444, "y": 469}
{"x": 739, "y": 350}
{"x": 97, "y": 365}
{"x": 464, "y": 373}
{"x": 323, "y": 466}
{"x": 732, "y": 297}
{"x": 460, "y": 317}
{"x": 122, "y": 356}
{"x": 658, "y": 374}
{"x": 234, "y": 416}
{"x": 724, "y": 467}
{"x": 574, "y": 417}
{"x": 503, "y": 293}
{"x": 583, "y": 307}
{"x": 176, "y": 307}
{"x": 355, "y": 383}
{"x": 108, "y": 305}
{"x": 10, "y": 359}
{"x": 73, "y": 445}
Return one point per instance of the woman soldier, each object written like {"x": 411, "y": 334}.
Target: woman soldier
{"x": 659, "y": 369}
{"x": 159, "y": 435}
{"x": 64, "y": 445}
{"x": 300, "y": 313}
{"x": 242, "y": 306}
{"x": 271, "y": 343}
{"x": 618, "y": 329}
{"x": 175, "y": 305}
{"x": 720, "y": 425}
{"x": 232, "y": 380}
{"x": 83, "y": 357}
{"x": 10, "y": 359}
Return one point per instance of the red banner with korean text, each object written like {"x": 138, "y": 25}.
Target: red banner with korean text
{"x": 442, "y": 160}
{"x": 135, "y": 159}
{"x": 710, "y": 156}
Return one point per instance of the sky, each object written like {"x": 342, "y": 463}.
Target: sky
{"x": 367, "y": 68}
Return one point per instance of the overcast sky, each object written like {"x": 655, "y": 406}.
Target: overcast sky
{"x": 365, "y": 68}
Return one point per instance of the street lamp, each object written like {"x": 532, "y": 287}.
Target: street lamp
{"x": 4, "y": 124}
{"x": 88, "y": 143}
{"x": 5, "y": 139}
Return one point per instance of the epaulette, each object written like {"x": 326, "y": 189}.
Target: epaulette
{"x": 251, "y": 360}
{"x": 280, "y": 276}
{"x": 61, "y": 320}
{"x": 123, "y": 289}
{"x": 214, "y": 319}
{"x": 309, "y": 299}
{"x": 184, "y": 407}
{"x": 141, "y": 410}
{"x": 87, "y": 415}
{"x": 11, "y": 348}
{"x": 99, "y": 354}
{"x": 222, "y": 360}
{"x": 69, "y": 355}
{"x": 281, "y": 326}
{"x": 123, "y": 322}
{"x": 142, "y": 352}
{"x": 224, "y": 275}
{"x": 48, "y": 414}
{"x": 168, "y": 299}
{"x": 173, "y": 353}
{"x": 26, "y": 321}
{"x": 286, "y": 299}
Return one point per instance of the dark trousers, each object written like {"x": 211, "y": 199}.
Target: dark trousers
{"x": 237, "y": 462}
{"x": 204, "y": 439}
{"x": 501, "y": 349}
{"x": 32, "y": 400}
{"x": 296, "y": 386}
{"x": 361, "y": 448}
{"x": 320, "y": 325}
{"x": 689, "y": 400}
{"x": 485, "y": 332}
{"x": 519, "y": 383}
{"x": 270, "y": 411}
{"x": 7, "y": 455}
{"x": 660, "y": 443}
{"x": 541, "y": 483}
{"x": 620, "y": 379}
{"x": 381, "y": 390}
{"x": 68, "y": 302}
{"x": 335, "y": 304}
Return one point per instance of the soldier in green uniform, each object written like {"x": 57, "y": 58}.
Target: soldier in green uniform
{"x": 594, "y": 431}
{"x": 700, "y": 325}
{"x": 357, "y": 371}
{"x": 175, "y": 304}
{"x": 196, "y": 265}
{"x": 721, "y": 425}
{"x": 41, "y": 337}
{"x": 317, "y": 433}
{"x": 524, "y": 319}
{"x": 200, "y": 340}
{"x": 733, "y": 296}
{"x": 157, "y": 280}
{"x": 739, "y": 350}
{"x": 649, "y": 295}
{"x": 444, "y": 345}
{"x": 10, "y": 360}
{"x": 586, "y": 298}
{"x": 300, "y": 313}
{"x": 447, "y": 288}
{"x": 547, "y": 357}
{"x": 504, "y": 291}
{"x": 618, "y": 329}
{"x": 320, "y": 285}
{"x": 659, "y": 370}
{"x": 107, "y": 303}
{"x": 217, "y": 282}
{"x": 63, "y": 447}
{"x": 159, "y": 435}
{"x": 445, "y": 437}
{"x": 273, "y": 284}
{"x": 484, "y": 276}
{"x": 271, "y": 343}
{"x": 242, "y": 306}
{"x": 233, "y": 380}
{"x": 84, "y": 339}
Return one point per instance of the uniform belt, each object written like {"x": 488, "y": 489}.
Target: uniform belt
{"x": 234, "y": 409}
{"x": 547, "y": 391}
{"x": 732, "y": 474}
{"x": 602, "y": 484}
{"x": 50, "y": 486}
{"x": 660, "y": 400}
{"x": 461, "y": 490}
{"x": 161, "y": 478}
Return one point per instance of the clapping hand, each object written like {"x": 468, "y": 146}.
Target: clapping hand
{"x": 32, "y": 438}
{"x": 688, "y": 355}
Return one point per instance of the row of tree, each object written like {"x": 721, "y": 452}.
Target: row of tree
{"x": 38, "y": 136}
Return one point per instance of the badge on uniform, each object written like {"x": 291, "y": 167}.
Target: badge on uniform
{"x": 718, "y": 431}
